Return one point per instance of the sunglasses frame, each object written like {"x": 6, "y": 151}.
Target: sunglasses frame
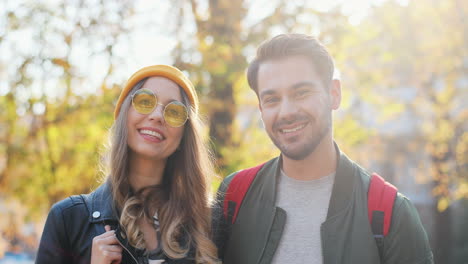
{"x": 156, "y": 105}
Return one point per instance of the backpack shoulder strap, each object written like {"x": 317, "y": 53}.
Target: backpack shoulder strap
{"x": 380, "y": 199}
{"x": 236, "y": 191}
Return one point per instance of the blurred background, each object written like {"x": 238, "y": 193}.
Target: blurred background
{"x": 403, "y": 66}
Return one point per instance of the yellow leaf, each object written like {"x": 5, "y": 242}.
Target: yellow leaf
{"x": 442, "y": 204}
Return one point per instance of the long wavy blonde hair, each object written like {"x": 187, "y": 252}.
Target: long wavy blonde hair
{"x": 182, "y": 200}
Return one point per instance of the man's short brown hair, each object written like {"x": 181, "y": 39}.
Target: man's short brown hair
{"x": 287, "y": 45}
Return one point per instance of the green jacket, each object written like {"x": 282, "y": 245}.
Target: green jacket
{"x": 346, "y": 233}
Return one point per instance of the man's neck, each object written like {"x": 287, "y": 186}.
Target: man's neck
{"x": 320, "y": 163}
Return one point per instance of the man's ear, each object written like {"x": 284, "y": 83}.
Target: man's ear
{"x": 335, "y": 93}
{"x": 261, "y": 119}
{"x": 259, "y": 104}
{"x": 261, "y": 111}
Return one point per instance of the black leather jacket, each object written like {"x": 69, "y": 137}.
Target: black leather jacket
{"x": 74, "y": 222}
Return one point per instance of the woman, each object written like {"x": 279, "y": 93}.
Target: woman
{"x": 154, "y": 206}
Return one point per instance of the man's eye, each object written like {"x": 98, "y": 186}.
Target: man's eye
{"x": 270, "y": 100}
{"x": 303, "y": 93}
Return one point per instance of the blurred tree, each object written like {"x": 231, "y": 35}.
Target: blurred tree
{"x": 416, "y": 56}
{"x": 53, "y": 128}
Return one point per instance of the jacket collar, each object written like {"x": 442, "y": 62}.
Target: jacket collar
{"x": 264, "y": 218}
{"x": 274, "y": 168}
{"x": 100, "y": 204}
{"x": 343, "y": 187}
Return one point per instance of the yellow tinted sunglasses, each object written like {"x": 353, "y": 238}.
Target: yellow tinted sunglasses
{"x": 175, "y": 113}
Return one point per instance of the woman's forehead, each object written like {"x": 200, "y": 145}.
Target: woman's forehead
{"x": 163, "y": 87}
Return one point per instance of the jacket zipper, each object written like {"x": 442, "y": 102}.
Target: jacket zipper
{"x": 136, "y": 261}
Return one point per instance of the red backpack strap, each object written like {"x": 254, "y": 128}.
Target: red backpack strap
{"x": 236, "y": 191}
{"x": 380, "y": 200}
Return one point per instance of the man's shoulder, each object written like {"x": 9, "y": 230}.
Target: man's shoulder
{"x": 403, "y": 205}
{"x": 407, "y": 235}
{"x": 265, "y": 166}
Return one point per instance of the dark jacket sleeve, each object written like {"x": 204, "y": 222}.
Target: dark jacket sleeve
{"x": 407, "y": 240}
{"x": 54, "y": 247}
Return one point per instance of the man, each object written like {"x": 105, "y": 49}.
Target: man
{"x": 310, "y": 204}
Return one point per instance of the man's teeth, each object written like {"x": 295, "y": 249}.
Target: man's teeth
{"x": 292, "y": 129}
{"x": 151, "y": 133}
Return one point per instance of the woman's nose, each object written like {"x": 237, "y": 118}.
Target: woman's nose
{"x": 158, "y": 113}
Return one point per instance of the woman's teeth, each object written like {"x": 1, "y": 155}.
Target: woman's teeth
{"x": 151, "y": 133}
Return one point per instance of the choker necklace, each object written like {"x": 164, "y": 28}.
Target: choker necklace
{"x": 156, "y": 221}
{"x": 156, "y": 256}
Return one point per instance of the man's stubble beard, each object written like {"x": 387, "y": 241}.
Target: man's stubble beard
{"x": 311, "y": 142}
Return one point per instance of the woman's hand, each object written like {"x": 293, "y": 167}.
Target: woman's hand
{"x": 106, "y": 248}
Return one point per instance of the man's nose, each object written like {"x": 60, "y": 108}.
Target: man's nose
{"x": 288, "y": 109}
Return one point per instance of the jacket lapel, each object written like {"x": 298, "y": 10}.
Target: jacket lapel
{"x": 100, "y": 206}
{"x": 346, "y": 235}
{"x": 343, "y": 186}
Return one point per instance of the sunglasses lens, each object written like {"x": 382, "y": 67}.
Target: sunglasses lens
{"x": 175, "y": 114}
{"x": 144, "y": 101}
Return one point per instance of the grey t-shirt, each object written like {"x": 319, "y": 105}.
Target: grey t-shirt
{"x": 306, "y": 205}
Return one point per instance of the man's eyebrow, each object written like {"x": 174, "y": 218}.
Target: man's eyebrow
{"x": 302, "y": 84}
{"x": 293, "y": 87}
{"x": 267, "y": 92}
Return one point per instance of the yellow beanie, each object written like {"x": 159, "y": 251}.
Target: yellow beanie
{"x": 166, "y": 71}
